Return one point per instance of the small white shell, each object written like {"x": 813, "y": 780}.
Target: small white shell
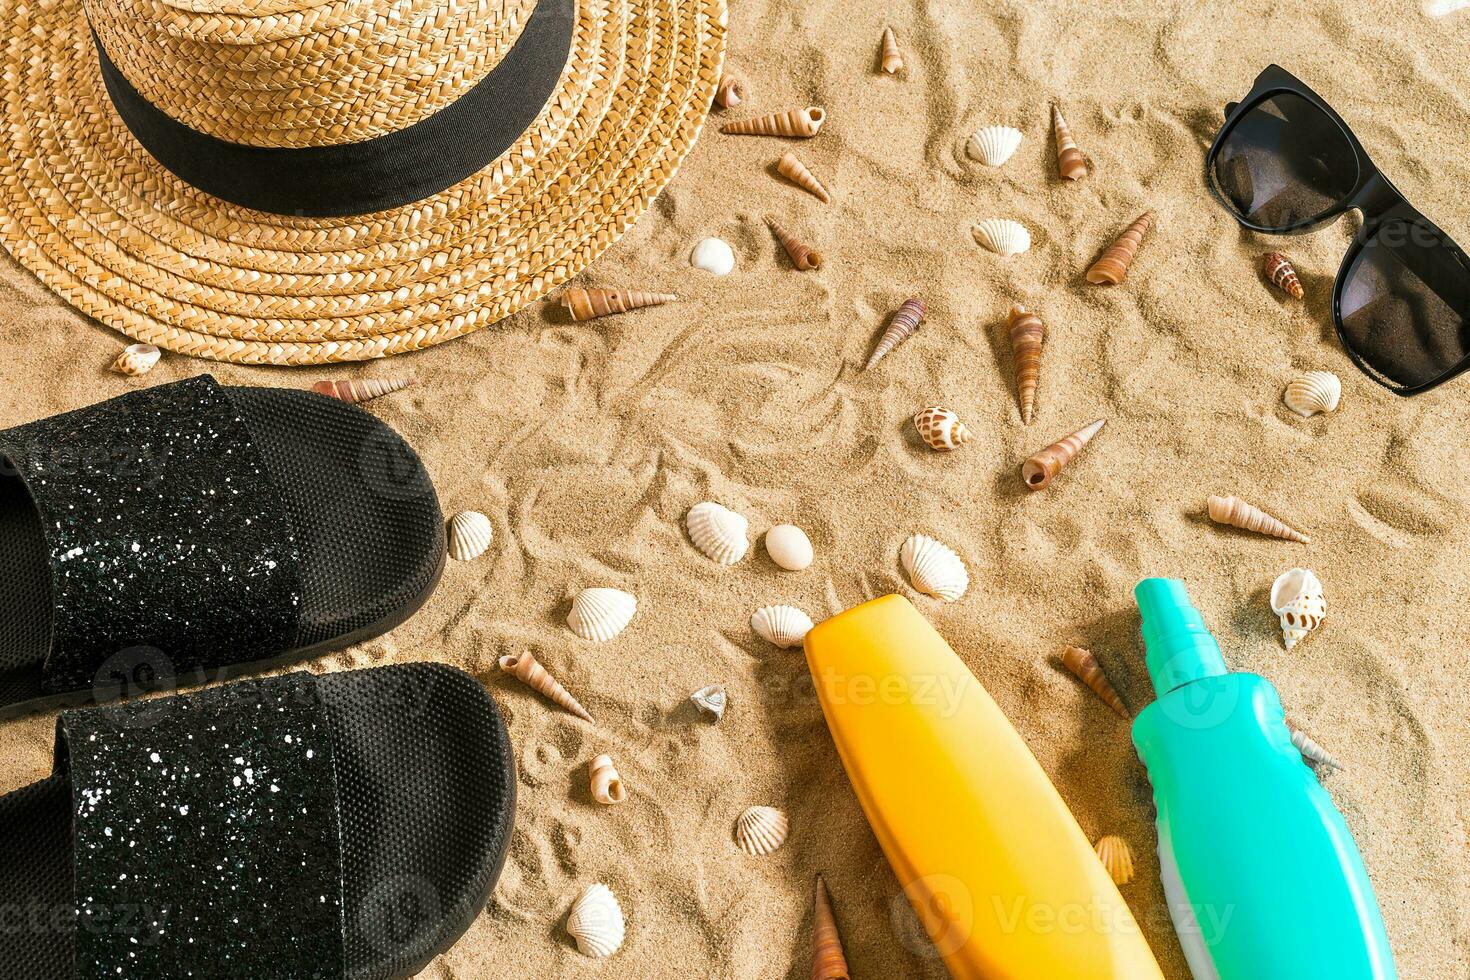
{"x": 789, "y": 547}
{"x": 596, "y": 922}
{"x": 1002, "y": 236}
{"x": 934, "y": 568}
{"x": 713, "y": 255}
{"x": 137, "y": 359}
{"x": 1440, "y": 8}
{"x": 785, "y": 626}
{"x": 1313, "y": 392}
{"x": 1296, "y": 596}
{"x": 601, "y": 614}
{"x": 718, "y": 531}
{"x": 607, "y": 785}
{"x": 711, "y": 701}
{"x": 469, "y": 535}
{"x": 993, "y": 145}
{"x": 761, "y": 830}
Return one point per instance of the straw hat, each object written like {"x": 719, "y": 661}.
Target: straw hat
{"x": 340, "y": 179}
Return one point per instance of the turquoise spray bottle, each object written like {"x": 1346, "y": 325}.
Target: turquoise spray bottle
{"x": 1263, "y": 879}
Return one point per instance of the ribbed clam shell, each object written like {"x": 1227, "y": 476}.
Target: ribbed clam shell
{"x": 596, "y": 922}
{"x": 136, "y": 359}
{"x": 601, "y": 614}
{"x": 934, "y": 568}
{"x": 761, "y": 830}
{"x": 993, "y": 145}
{"x": 718, "y": 532}
{"x": 1002, "y": 236}
{"x": 1116, "y": 857}
{"x": 1297, "y": 597}
{"x": 469, "y": 535}
{"x": 785, "y": 626}
{"x": 711, "y": 701}
{"x": 1313, "y": 392}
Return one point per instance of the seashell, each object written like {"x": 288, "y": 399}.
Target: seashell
{"x": 892, "y": 57}
{"x": 1002, "y": 236}
{"x": 934, "y": 568}
{"x": 789, "y": 547}
{"x": 1313, "y": 392}
{"x": 136, "y": 360}
{"x": 607, "y": 785}
{"x": 731, "y": 91}
{"x": 601, "y": 614}
{"x": 802, "y": 123}
{"x": 531, "y": 673}
{"x": 367, "y": 389}
{"x": 993, "y": 145}
{"x": 1279, "y": 271}
{"x": 596, "y": 922}
{"x": 1027, "y": 335}
{"x": 904, "y": 324}
{"x": 785, "y": 626}
{"x": 942, "y": 429}
{"x": 584, "y": 304}
{"x": 1296, "y": 596}
{"x": 1236, "y": 512}
{"x": 711, "y": 701}
{"x": 802, "y": 256}
{"x": 1311, "y": 751}
{"x": 718, "y": 532}
{"x": 828, "y": 960}
{"x": 1069, "y": 158}
{"x": 761, "y": 830}
{"x": 1039, "y": 470}
{"x": 1117, "y": 857}
{"x": 713, "y": 255}
{"x": 469, "y": 535}
{"x": 796, "y": 172}
{"x": 1082, "y": 663}
{"x": 1112, "y": 268}
{"x": 1441, "y": 8}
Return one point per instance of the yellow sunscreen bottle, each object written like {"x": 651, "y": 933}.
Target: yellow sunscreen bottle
{"x": 1002, "y": 878}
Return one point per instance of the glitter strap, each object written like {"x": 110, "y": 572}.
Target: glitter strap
{"x": 169, "y": 544}
{"x": 206, "y": 835}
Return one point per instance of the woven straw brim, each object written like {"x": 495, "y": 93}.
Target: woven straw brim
{"x": 99, "y": 221}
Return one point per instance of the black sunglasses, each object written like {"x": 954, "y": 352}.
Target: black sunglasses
{"x": 1285, "y": 163}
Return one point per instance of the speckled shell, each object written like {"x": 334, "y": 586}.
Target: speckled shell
{"x": 904, "y": 324}
{"x": 584, "y": 304}
{"x": 785, "y": 626}
{"x": 731, "y": 91}
{"x": 1112, "y": 268}
{"x": 711, "y": 701}
{"x": 934, "y": 568}
{"x": 1002, "y": 236}
{"x": 795, "y": 171}
{"x": 136, "y": 359}
{"x": 761, "y": 830}
{"x": 1313, "y": 392}
{"x": 1279, "y": 272}
{"x": 607, "y": 785}
{"x": 356, "y": 392}
{"x": 1296, "y": 597}
{"x": 1311, "y": 751}
{"x": 803, "y": 123}
{"x": 993, "y": 145}
{"x": 1247, "y": 517}
{"x": 596, "y": 922}
{"x": 469, "y": 535}
{"x": 718, "y": 532}
{"x": 1116, "y": 857}
{"x": 601, "y": 614}
{"x": 942, "y": 429}
{"x": 892, "y": 57}
{"x": 789, "y": 547}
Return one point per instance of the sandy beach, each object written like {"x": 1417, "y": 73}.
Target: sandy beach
{"x": 586, "y": 443}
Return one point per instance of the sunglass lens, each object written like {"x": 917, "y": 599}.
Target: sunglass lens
{"x": 1285, "y": 162}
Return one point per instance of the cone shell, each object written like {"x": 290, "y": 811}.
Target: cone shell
{"x": 785, "y": 626}
{"x": 1311, "y": 751}
{"x": 601, "y": 614}
{"x": 1278, "y": 270}
{"x": 802, "y": 123}
{"x": 529, "y": 672}
{"x": 1238, "y": 513}
{"x": 469, "y": 535}
{"x": 892, "y": 57}
{"x": 1069, "y": 158}
{"x": 1112, "y": 268}
{"x": 1027, "y": 335}
{"x": 1002, "y": 236}
{"x": 828, "y": 960}
{"x": 1039, "y": 470}
{"x": 942, "y": 429}
{"x": 718, "y": 532}
{"x": 1296, "y": 596}
{"x": 934, "y": 568}
{"x": 993, "y": 145}
{"x": 596, "y": 922}
{"x": 711, "y": 701}
{"x": 584, "y": 304}
{"x": 1117, "y": 857}
{"x": 607, "y": 785}
{"x": 1082, "y": 663}
{"x": 731, "y": 91}
{"x": 905, "y": 324}
{"x": 761, "y": 830}
{"x": 354, "y": 392}
{"x": 803, "y": 256}
{"x": 136, "y": 360}
{"x": 1313, "y": 392}
{"x": 796, "y": 172}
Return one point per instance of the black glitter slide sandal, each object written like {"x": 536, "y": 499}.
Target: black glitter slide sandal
{"x": 343, "y": 827}
{"x": 191, "y": 532}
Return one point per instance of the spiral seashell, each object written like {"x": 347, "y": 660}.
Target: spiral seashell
{"x": 718, "y": 532}
{"x": 584, "y": 304}
{"x": 785, "y": 626}
{"x": 529, "y": 672}
{"x": 993, "y": 145}
{"x": 1027, "y": 335}
{"x": 1296, "y": 596}
{"x": 1082, "y": 663}
{"x": 136, "y": 360}
{"x": 1069, "y": 158}
{"x": 607, "y": 785}
{"x": 803, "y": 123}
{"x": 796, "y": 172}
{"x": 789, "y": 547}
{"x": 1281, "y": 275}
{"x": 802, "y": 256}
{"x": 1112, "y": 268}
{"x": 828, "y": 959}
{"x": 354, "y": 392}
{"x": 469, "y": 535}
{"x": 1311, "y": 751}
{"x": 711, "y": 701}
{"x": 596, "y": 922}
{"x": 904, "y": 324}
{"x": 1116, "y": 857}
{"x": 601, "y": 614}
{"x": 942, "y": 429}
{"x": 1039, "y": 470}
{"x": 1313, "y": 392}
{"x": 731, "y": 91}
{"x": 1002, "y": 236}
{"x": 1238, "y": 513}
{"x": 892, "y": 57}
{"x": 934, "y": 568}
{"x": 761, "y": 830}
